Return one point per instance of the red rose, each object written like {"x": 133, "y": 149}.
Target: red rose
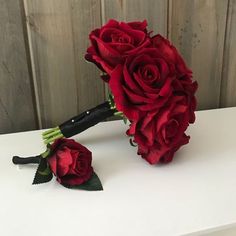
{"x": 70, "y": 162}
{"x": 186, "y": 87}
{"x": 144, "y": 83}
{"x": 160, "y": 134}
{"x": 183, "y": 83}
{"x": 171, "y": 55}
{"x": 112, "y": 43}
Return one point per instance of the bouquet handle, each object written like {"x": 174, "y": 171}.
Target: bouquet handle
{"x": 86, "y": 120}
{"x": 79, "y": 123}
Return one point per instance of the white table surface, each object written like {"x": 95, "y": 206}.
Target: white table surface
{"x": 194, "y": 194}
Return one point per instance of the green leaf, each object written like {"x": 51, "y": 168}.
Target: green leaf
{"x": 132, "y": 143}
{"x": 125, "y": 119}
{"x": 93, "y": 184}
{"x": 47, "y": 171}
{"x": 46, "y": 153}
{"x": 43, "y": 173}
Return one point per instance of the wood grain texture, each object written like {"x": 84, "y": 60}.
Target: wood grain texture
{"x": 197, "y": 28}
{"x": 58, "y": 31}
{"x": 16, "y": 104}
{"x": 86, "y": 16}
{"x": 155, "y": 11}
{"x": 228, "y": 87}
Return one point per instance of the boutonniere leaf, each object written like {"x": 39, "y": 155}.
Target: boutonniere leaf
{"x": 93, "y": 184}
{"x": 43, "y": 173}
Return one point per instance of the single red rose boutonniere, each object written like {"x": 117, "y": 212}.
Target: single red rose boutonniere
{"x": 69, "y": 161}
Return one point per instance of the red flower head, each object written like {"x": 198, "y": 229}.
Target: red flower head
{"x": 112, "y": 43}
{"x": 160, "y": 134}
{"x": 70, "y": 162}
{"x": 143, "y": 83}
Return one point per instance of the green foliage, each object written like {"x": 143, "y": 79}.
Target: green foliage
{"x": 125, "y": 119}
{"x": 43, "y": 173}
{"x": 93, "y": 184}
{"x": 132, "y": 143}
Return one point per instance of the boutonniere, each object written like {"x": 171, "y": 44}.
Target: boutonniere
{"x": 69, "y": 161}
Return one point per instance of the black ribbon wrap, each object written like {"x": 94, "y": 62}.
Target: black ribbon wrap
{"x": 26, "y": 160}
{"x": 86, "y": 119}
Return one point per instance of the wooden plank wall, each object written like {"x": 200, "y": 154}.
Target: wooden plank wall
{"x": 155, "y": 11}
{"x": 197, "y": 28}
{"x": 17, "y": 110}
{"x": 58, "y": 31}
{"x": 45, "y": 80}
{"x": 228, "y": 87}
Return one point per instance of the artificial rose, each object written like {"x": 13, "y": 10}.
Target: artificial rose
{"x": 113, "y": 42}
{"x": 70, "y": 162}
{"x": 160, "y": 134}
{"x": 186, "y": 87}
{"x": 183, "y": 83}
{"x": 171, "y": 55}
{"x": 143, "y": 83}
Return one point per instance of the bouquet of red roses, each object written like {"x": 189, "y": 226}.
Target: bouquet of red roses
{"x": 150, "y": 86}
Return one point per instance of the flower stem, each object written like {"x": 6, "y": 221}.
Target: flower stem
{"x": 79, "y": 123}
{"x": 52, "y": 133}
{"x": 50, "y": 130}
{"x": 53, "y": 138}
{"x": 118, "y": 113}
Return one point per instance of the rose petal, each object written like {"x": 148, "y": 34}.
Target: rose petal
{"x": 145, "y": 87}
{"x": 154, "y": 156}
{"x": 64, "y": 160}
{"x": 137, "y": 35}
{"x": 106, "y": 67}
{"x": 166, "y": 90}
{"x": 122, "y": 47}
{"x": 111, "y": 23}
{"x": 107, "y": 53}
{"x": 136, "y": 99}
{"x": 116, "y": 86}
{"x": 52, "y": 162}
{"x": 131, "y": 82}
{"x": 138, "y": 25}
{"x": 74, "y": 180}
{"x": 132, "y": 128}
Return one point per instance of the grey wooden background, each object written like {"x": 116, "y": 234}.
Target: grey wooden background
{"x": 45, "y": 80}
